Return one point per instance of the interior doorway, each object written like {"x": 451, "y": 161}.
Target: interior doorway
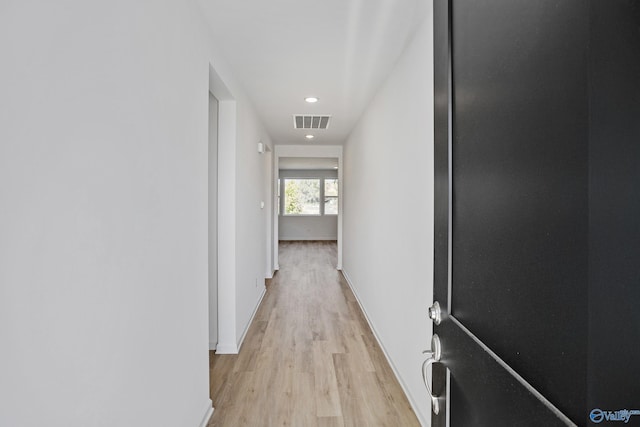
{"x": 308, "y": 202}
{"x": 303, "y": 159}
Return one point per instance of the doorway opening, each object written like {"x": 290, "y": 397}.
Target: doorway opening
{"x": 307, "y": 196}
{"x": 308, "y": 191}
{"x": 222, "y": 219}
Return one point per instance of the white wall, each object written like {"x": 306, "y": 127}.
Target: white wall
{"x": 103, "y": 218}
{"x": 251, "y": 172}
{"x": 388, "y": 213}
{"x": 243, "y": 176}
{"x": 269, "y": 212}
{"x": 324, "y": 227}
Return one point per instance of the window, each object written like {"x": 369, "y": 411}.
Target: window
{"x": 301, "y": 196}
{"x": 330, "y": 196}
{"x": 308, "y": 196}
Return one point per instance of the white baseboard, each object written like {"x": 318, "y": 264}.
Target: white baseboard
{"x": 413, "y": 404}
{"x": 207, "y": 414}
{"x": 234, "y": 348}
{"x": 299, "y": 238}
{"x": 255, "y": 310}
{"x": 230, "y": 348}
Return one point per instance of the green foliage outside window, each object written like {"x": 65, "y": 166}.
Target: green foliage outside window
{"x": 293, "y": 205}
{"x": 302, "y": 197}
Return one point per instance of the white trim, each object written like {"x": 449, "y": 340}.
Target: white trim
{"x": 275, "y": 208}
{"x": 255, "y": 310}
{"x": 340, "y": 207}
{"x": 296, "y": 238}
{"x": 212, "y": 214}
{"x": 226, "y": 348}
{"x": 413, "y": 404}
{"x": 227, "y": 222}
{"x": 268, "y": 211}
{"x": 207, "y": 414}
{"x": 234, "y": 348}
{"x": 307, "y": 151}
{"x": 227, "y": 135}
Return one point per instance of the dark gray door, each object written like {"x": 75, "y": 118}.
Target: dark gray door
{"x": 537, "y": 211}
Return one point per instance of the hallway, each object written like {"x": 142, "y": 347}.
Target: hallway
{"x": 309, "y": 357}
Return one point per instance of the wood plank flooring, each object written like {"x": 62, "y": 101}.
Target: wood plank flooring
{"x": 309, "y": 358}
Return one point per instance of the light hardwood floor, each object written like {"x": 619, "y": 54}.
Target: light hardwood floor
{"x": 309, "y": 357}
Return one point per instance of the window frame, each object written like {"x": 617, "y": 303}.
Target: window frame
{"x": 324, "y": 196}
{"x": 282, "y": 196}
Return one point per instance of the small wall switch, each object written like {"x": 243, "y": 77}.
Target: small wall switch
{"x": 261, "y": 205}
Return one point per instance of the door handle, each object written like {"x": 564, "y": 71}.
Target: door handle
{"x": 433, "y": 357}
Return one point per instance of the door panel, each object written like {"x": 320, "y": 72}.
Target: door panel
{"x": 472, "y": 386}
{"x": 537, "y": 237}
{"x": 614, "y": 223}
{"x": 512, "y": 210}
{"x": 519, "y": 175}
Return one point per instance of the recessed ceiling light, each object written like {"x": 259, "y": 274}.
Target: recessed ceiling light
{"x": 311, "y": 99}
{"x": 309, "y": 136}
{"x": 335, "y": 167}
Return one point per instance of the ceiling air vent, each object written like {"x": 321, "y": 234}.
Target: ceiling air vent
{"x": 301, "y": 121}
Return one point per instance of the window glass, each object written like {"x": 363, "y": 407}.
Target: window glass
{"x": 301, "y": 196}
{"x": 331, "y": 196}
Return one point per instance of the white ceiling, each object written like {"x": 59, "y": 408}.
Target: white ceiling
{"x": 338, "y": 50}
